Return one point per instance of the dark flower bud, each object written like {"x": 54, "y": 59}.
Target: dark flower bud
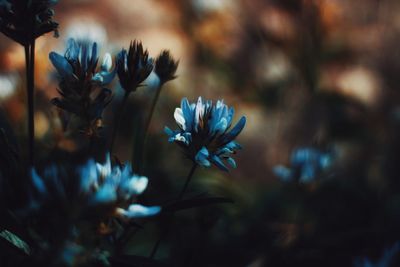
{"x": 133, "y": 66}
{"x": 24, "y": 21}
{"x": 166, "y": 67}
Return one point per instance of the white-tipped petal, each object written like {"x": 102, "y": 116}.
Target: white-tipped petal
{"x": 179, "y": 118}
{"x": 137, "y": 211}
{"x": 104, "y": 170}
{"x": 138, "y": 185}
{"x": 107, "y": 62}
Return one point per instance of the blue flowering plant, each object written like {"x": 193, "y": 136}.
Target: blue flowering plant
{"x": 306, "y": 165}
{"x": 82, "y": 84}
{"x": 204, "y": 132}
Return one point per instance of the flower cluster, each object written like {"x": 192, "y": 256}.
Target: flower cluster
{"x": 93, "y": 185}
{"x": 81, "y": 82}
{"x": 305, "y": 165}
{"x": 24, "y": 21}
{"x": 204, "y": 132}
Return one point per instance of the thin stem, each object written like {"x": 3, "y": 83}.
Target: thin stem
{"x": 188, "y": 179}
{"x": 181, "y": 194}
{"x": 151, "y": 112}
{"x": 117, "y": 121}
{"x": 91, "y": 146}
{"x": 140, "y": 160}
{"x": 30, "y": 78}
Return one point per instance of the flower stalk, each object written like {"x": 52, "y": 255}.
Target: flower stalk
{"x": 118, "y": 119}
{"x": 165, "y": 69}
{"x": 180, "y": 196}
{"x": 141, "y": 151}
{"x": 30, "y": 81}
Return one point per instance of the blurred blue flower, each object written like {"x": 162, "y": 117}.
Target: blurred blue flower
{"x": 384, "y": 261}
{"x": 94, "y": 185}
{"x": 109, "y": 184}
{"x": 205, "y": 132}
{"x": 305, "y": 165}
{"x": 81, "y": 83}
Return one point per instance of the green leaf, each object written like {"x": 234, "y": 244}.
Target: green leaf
{"x": 15, "y": 240}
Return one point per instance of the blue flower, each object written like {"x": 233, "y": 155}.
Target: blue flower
{"x": 109, "y": 184}
{"x": 93, "y": 185}
{"x": 133, "y": 66}
{"x": 205, "y": 132}
{"x": 305, "y": 165}
{"x": 384, "y": 261}
{"x": 81, "y": 83}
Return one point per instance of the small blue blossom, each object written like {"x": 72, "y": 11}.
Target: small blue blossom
{"x": 79, "y": 63}
{"x": 81, "y": 83}
{"x": 205, "y": 132}
{"x": 305, "y": 165}
{"x": 384, "y": 261}
{"x": 109, "y": 184}
{"x": 94, "y": 185}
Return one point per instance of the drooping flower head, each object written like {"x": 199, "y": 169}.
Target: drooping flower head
{"x": 165, "y": 67}
{"x": 305, "y": 165}
{"x": 23, "y": 21}
{"x": 205, "y": 132}
{"x": 81, "y": 83}
{"x": 133, "y": 66}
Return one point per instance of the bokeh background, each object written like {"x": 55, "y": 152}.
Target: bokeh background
{"x": 305, "y": 73}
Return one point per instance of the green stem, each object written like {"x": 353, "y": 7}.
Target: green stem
{"x": 30, "y": 78}
{"x": 181, "y": 194}
{"x": 117, "y": 121}
{"x": 140, "y": 160}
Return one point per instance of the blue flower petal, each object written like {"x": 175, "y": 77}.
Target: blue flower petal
{"x": 232, "y": 162}
{"x": 61, "y": 64}
{"x": 283, "y": 173}
{"x": 105, "y": 194}
{"x": 308, "y": 173}
{"x": 38, "y": 182}
{"x": 202, "y": 157}
{"x": 168, "y": 131}
{"x": 138, "y": 211}
{"x": 187, "y": 114}
{"x": 218, "y": 162}
{"x": 235, "y": 130}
